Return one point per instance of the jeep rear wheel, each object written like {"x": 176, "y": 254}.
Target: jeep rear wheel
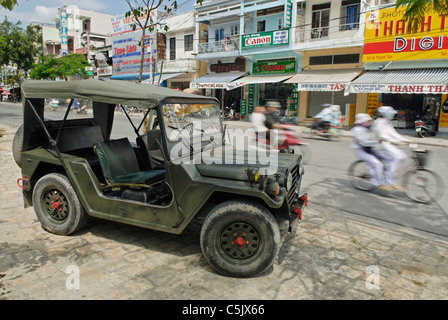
{"x": 57, "y": 206}
{"x": 240, "y": 239}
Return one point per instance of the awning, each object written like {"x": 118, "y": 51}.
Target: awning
{"x": 217, "y": 81}
{"x": 324, "y": 80}
{"x": 255, "y": 78}
{"x": 165, "y": 76}
{"x": 433, "y": 81}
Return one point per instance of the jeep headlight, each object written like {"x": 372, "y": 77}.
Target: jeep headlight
{"x": 253, "y": 174}
{"x": 288, "y": 180}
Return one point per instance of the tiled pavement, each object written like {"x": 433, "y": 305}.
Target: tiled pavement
{"x": 333, "y": 255}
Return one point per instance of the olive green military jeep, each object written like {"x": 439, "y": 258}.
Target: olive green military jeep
{"x": 181, "y": 168}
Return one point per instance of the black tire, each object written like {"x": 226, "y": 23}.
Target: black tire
{"x": 65, "y": 217}
{"x": 359, "y": 176}
{"x": 423, "y": 185}
{"x": 17, "y": 144}
{"x": 240, "y": 239}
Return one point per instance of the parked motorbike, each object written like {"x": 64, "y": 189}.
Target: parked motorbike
{"x": 229, "y": 114}
{"x": 82, "y": 110}
{"x": 288, "y": 142}
{"x": 425, "y": 127}
{"x": 54, "y": 104}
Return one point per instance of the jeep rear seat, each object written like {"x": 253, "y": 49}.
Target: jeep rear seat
{"x": 79, "y": 141}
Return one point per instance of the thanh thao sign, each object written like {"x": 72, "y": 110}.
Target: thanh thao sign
{"x": 389, "y": 38}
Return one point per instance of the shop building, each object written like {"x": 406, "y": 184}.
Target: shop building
{"x": 248, "y": 49}
{"x": 83, "y": 32}
{"x": 330, "y": 39}
{"x": 405, "y": 69}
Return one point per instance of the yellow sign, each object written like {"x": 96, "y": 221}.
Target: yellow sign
{"x": 388, "y": 37}
{"x": 444, "y": 113}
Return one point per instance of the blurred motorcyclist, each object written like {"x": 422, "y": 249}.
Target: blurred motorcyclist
{"x": 366, "y": 147}
{"x": 326, "y": 117}
{"x": 336, "y": 115}
{"x": 382, "y": 127}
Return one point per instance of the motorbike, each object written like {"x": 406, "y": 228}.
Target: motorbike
{"x": 82, "y": 109}
{"x": 229, "y": 114}
{"x": 425, "y": 127}
{"x": 54, "y": 104}
{"x": 329, "y": 132}
{"x": 288, "y": 142}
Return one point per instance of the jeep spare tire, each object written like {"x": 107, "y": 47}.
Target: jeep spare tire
{"x": 17, "y": 143}
{"x": 240, "y": 239}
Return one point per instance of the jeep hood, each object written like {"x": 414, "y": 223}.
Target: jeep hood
{"x": 235, "y": 167}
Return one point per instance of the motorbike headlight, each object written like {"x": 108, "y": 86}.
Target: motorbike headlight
{"x": 288, "y": 180}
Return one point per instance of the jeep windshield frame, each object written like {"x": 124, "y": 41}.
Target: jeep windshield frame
{"x": 190, "y": 127}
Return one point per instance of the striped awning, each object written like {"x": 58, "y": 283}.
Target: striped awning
{"x": 324, "y": 80}
{"x": 217, "y": 80}
{"x": 252, "y": 79}
{"x": 434, "y": 81}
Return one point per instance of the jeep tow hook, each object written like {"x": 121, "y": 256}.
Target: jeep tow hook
{"x": 296, "y": 213}
{"x": 23, "y": 183}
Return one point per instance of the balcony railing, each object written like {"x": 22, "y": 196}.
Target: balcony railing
{"x": 219, "y": 46}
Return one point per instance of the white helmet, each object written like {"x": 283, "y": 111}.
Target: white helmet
{"x": 335, "y": 107}
{"x": 387, "y": 112}
{"x": 362, "y": 117}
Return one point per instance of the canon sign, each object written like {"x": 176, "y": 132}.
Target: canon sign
{"x": 258, "y": 41}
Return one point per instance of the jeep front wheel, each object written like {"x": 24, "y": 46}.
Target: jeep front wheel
{"x": 240, "y": 239}
{"x": 57, "y": 205}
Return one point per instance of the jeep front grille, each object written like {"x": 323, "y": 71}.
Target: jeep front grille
{"x": 295, "y": 184}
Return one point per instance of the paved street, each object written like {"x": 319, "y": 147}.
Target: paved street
{"x": 333, "y": 255}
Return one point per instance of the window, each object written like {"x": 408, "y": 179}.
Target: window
{"x": 86, "y": 26}
{"x": 219, "y": 34}
{"x": 188, "y": 42}
{"x": 349, "y": 15}
{"x": 234, "y": 30}
{"x": 320, "y": 20}
{"x": 172, "y": 48}
{"x": 261, "y": 26}
{"x": 334, "y": 59}
{"x": 280, "y": 23}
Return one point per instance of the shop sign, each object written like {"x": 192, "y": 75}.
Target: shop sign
{"x": 122, "y": 24}
{"x": 243, "y": 109}
{"x": 265, "y": 39}
{"x": 321, "y": 86}
{"x": 389, "y": 38}
{"x": 250, "y": 105}
{"x": 278, "y": 67}
{"x": 81, "y": 50}
{"x": 238, "y": 65}
{"x": 63, "y": 32}
{"x": 444, "y": 114}
{"x": 400, "y": 88}
{"x": 213, "y": 85}
{"x": 288, "y": 10}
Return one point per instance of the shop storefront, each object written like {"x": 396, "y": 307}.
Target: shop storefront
{"x": 405, "y": 70}
{"x": 219, "y": 81}
{"x": 266, "y": 84}
{"x": 411, "y": 91}
{"x": 326, "y": 87}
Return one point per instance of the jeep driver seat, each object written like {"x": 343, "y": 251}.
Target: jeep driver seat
{"x": 120, "y": 165}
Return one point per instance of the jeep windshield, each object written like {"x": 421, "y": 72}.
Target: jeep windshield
{"x": 191, "y": 127}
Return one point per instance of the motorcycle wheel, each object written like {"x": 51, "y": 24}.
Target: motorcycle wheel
{"x": 423, "y": 133}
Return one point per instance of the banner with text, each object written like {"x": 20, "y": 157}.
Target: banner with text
{"x": 389, "y": 38}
